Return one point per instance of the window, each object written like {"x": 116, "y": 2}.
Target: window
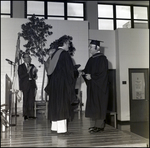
{"x": 35, "y": 7}
{"x": 105, "y": 24}
{"x": 123, "y": 23}
{"x": 105, "y": 11}
{"x": 140, "y": 17}
{"x": 56, "y": 10}
{"x": 112, "y": 16}
{"x": 140, "y": 13}
{"x": 105, "y": 17}
{"x": 123, "y": 12}
{"x": 6, "y": 9}
{"x": 75, "y": 11}
{"x": 123, "y": 16}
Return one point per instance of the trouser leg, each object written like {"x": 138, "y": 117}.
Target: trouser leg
{"x": 99, "y": 123}
{"x": 54, "y": 125}
{"x": 60, "y": 126}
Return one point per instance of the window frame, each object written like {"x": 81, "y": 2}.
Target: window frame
{"x": 147, "y": 20}
{"x": 38, "y": 15}
{"x": 55, "y": 16}
{"x": 82, "y": 17}
{"x": 8, "y": 14}
{"x": 132, "y": 14}
{"x": 114, "y": 14}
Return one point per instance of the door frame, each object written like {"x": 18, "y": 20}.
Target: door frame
{"x": 112, "y": 103}
{"x": 145, "y": 71}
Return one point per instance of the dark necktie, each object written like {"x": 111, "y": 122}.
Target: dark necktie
{"x": 28, "y": 66}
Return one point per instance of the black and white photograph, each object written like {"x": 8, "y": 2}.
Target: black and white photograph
{"x": 74, "y": 73}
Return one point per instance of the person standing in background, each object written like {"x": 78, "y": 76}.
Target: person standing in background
{"x": 71, "y": 51}
{"x": 95, "y": 75}
{"x": 27, "y": 73}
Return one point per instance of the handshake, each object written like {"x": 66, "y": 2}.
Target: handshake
{"x": 87, "y": 76}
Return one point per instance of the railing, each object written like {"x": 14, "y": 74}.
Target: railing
{"x": 6, "y": 108}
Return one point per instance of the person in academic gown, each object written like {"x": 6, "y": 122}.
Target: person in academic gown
{"x": 27, "y": 74}
{"x": 71, "y": 51}
{"x": 95, "y": 75}
{"x": 61, "y": 86}
{"x": 47, "y": 63}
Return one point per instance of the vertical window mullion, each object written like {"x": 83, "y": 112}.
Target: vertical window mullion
{"x": 148, "y": 16}
{"x": 45, "y": 9}
{"x": 25, "y": 10}
{"x": 11, "y": 9}
{"x": 114, "y": 15}
{"x": 84, "y": 11}
{"x": 132, "y": 17}
{"x": 65, "y": 9}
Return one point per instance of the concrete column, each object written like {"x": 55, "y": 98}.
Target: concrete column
{"x": 92, "y": 14}
{"x": 18, "y": 9}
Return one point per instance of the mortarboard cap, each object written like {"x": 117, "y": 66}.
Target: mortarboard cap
{"x": 95, "y": 42}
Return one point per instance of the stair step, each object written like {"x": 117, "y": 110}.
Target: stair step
{"x": 40, "y": 103}
{"x": 41, "y": 108}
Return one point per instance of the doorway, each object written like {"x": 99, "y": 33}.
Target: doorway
{"x": 112, "y": 91}
{"x": 139, "y": 94}
{"x": 111, "y": 97}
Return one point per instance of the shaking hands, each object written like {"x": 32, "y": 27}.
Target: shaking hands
{"x": 87, "y": 76}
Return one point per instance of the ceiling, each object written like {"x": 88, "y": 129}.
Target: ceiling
{"x": 142, "y": 2}
{"x": 127, "y": 2}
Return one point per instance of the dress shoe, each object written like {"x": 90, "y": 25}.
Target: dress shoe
{"x": 96, "y": 130}
{"x": 32, "y": 117}
{"x": 25, "y": 117}
{"x": 91, "y": 128}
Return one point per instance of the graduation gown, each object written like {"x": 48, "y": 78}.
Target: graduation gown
{"x": 97, "y": 87}
{"x": 61, "y": 88}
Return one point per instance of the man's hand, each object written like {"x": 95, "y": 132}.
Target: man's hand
{"x": 35, "y": 70}
{"x": 88, "y": 76}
